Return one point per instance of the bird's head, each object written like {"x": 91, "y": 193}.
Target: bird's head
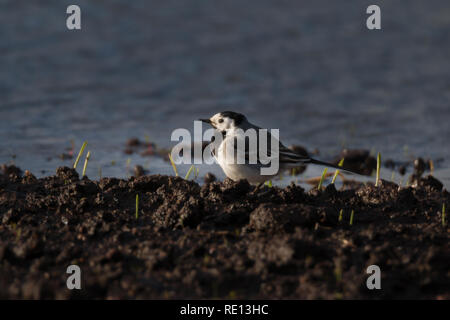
{"x": 226, "y": 120}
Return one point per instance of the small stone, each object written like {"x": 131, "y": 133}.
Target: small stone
{"x": 209, "y": 177}
{"x": 419, "y": 166}
{"x": 139, "y": 171}
{"x": 133, "y": 142}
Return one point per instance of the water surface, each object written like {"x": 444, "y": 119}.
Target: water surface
{"x": 143, "y": 68}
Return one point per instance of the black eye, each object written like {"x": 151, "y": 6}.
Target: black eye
{"x": 220, "y": 120}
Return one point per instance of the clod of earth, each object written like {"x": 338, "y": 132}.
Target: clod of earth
{"x": 218, "y": 240}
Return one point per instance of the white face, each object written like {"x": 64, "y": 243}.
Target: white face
{"x": 221, "y": 123}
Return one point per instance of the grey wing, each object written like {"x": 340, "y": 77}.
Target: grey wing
{"x": 289, "y": 157}
{"x": 285, "y": 154}
{"x": 250, "y": 151}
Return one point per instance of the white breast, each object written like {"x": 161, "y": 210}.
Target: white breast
{"x": 235, "y": 171}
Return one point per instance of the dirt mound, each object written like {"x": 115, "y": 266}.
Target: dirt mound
{"x": 220, "y": 240}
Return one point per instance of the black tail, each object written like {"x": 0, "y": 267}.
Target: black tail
{"x": 326, "y": 164}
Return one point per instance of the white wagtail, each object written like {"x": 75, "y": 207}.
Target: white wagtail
{"x": 232, "y": 125}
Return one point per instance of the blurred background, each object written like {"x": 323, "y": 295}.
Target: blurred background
{"x": 144, "y": 68}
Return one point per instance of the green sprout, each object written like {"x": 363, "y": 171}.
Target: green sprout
{"x": 341, "y": 163}
{"x": 79, "y": 154}
{"x": 444, "y": 222}
{"x": 173, "y": 165}
{"x": 88, "y": 155}
{"x": 189, "y": 172}
{"x": 340, "y": 215}
{"x": 338, "y": 271}
{"x": 378, "y": 169}
{"x": 319, "y": 187}
{"x": 351, "y": 217}
{"x": 406, "y": 151}
{"x": 128, "y": 164}
{"x": 137, "y": 206}
{"x": 197, "y": 173}
{"x": 18, "y": 234}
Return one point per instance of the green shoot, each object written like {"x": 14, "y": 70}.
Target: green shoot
{"x": 378, "y": 169}
{"x": 338, "y": 271}
{"x": 340, "y": 215}
{"x": 189, "y": 172}
{"x": 137, "y": 206}
{"x": 351, "y": 217}
{"x": 88, "y": 155}
{"x": 341, "y": 163}
{"x": 322, "y": 178}
{"x": 79, "y": 154}
{"x": 173, "y": 165}
{"x": 406, "y": 151}
{"x": 18, "y": 234}
{"x": 197, "y": 173}
{"x": 232, "y": 295}
{"x": 444, "y": 222}
{"x": 127, "y": 167}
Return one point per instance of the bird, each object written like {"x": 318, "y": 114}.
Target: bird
{"x": 231, "y": 126}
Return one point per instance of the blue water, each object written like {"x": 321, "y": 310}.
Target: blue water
{"x": 143, "y": 68}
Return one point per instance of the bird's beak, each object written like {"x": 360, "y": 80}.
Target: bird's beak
{"x": 206, "y": 121}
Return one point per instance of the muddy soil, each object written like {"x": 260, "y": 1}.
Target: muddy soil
{"x": 220, "y": 240}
